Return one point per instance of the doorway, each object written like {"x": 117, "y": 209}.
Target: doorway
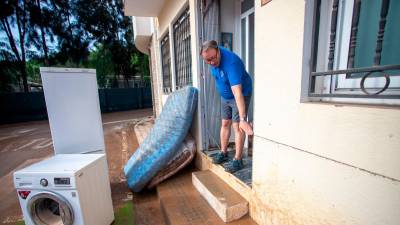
{"x": 233, "y": 19}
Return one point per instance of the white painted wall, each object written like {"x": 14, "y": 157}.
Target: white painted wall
{"x": 294, "y": 187}
{"x": 140, "y": 8}
{"x": 230, "y": 21}
{"x": 228, "y": 10}
{"x": 156, "y": 77}
{"x": 142, "y": 27}
{"x": 169, "y": 13}
{"x": 316, "y": 163}
{"x": 196, "y": 76}
{"x": 227, "y": 16}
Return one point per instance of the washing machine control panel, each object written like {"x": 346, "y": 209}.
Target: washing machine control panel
{"x": 44, "y": 182}
{"x": 62, "y": 181}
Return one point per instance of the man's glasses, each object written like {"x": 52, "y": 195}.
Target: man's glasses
{"x": 212, "y": 60}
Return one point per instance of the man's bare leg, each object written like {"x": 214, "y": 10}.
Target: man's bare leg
{"x": 239, "y": 140}
{"x": 225, "y": 134}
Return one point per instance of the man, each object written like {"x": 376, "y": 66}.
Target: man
{"x": 234, "y": 85}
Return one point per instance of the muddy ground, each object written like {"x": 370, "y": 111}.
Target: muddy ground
{"x": 22, "y": 144}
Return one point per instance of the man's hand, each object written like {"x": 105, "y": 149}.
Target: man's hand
{"x": 246, "y": 127}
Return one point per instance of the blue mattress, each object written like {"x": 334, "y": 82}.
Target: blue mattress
{"x": 163, "y": 140}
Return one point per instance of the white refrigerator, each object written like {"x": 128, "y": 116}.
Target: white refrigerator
{"x": 73, "y": 108}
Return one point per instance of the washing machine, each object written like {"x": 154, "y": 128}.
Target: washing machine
{"x": 69, "y": 189}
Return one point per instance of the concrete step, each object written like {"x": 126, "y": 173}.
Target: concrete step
{"x": 227, "y": 203}
{"x": 182, "y": 204}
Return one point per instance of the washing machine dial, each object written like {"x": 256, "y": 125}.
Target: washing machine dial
{"x": 44, "y": 182}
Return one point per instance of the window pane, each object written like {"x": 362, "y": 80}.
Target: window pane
{"x": 367, "y": 33}
{"x": 182, "y": 50}
{"x": 391, "y": 40}
{"x": 338, "y": 43}
{"x": 166, "y": 63}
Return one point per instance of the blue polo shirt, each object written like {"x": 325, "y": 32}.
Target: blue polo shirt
{"x": 230, "y": 72}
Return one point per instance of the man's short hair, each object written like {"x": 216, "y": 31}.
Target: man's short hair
{"x": 208, "y": 44}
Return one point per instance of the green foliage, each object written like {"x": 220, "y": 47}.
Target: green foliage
{"x": 101, "y": 59}
{"x": 33, "y": 70}
{"x": 9, "y": 74}
{"x": 15, "y": 14}
{"x": 141, "y": 64}
{"x": 69, "y": 33}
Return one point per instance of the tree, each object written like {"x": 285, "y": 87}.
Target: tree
{"x": 72, "y": 33}
{"x": 15, "y": 12}
{"x": 141, "y": 65}
{"x": 101, "y": 59}
{"x": 8, "y": 72}
{"x": 73, "y": 39}
{"x": 40, "y": 15}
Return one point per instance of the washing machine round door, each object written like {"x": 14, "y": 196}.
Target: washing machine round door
{"x": 47, "y": 208}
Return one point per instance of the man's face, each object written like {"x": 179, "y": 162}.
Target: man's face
{"x": 210, "y": 56}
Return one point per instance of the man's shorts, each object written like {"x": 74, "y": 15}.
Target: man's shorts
{"x": 229, "y": 109}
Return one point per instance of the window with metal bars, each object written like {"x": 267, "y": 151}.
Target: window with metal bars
{"x": 182, "y": 50}
{"x": 355, "y": 49}
{"x": 166, "y": 64}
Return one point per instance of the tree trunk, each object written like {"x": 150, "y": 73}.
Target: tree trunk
{"x": 43, "y": 34}
{"x": 24, "y": 75}
{"x": 7, "y": 29}
{"x": 21, "y": 25}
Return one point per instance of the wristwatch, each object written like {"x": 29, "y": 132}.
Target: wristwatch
{"x": 243, "y": 119}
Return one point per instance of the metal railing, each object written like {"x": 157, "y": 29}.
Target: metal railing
{"x": 182, "y": 50}
{"x": 376, "y": 70}
{"x": 166, "y": 64}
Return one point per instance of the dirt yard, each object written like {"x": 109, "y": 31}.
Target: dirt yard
{"x": 25, "y": 143}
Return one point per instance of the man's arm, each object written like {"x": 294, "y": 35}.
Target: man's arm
{"x": 239, "y": 98}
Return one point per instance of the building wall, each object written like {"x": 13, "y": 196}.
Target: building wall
{"x": 197, "y": 127}
{"x": 169, "y": 13}
{"x": 156, "y": 79}
{"x": 230, "y": 21}
{"x": 315, "y": 163}
{"x": 227, "y": 16}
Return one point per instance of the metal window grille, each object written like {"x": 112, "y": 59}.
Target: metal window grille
{"x": 166, "y": 64}
{"x": 376, "y": 69}
{"x": 182, "y": 50}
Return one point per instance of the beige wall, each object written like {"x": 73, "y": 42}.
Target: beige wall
{"x": 169, "y": 13}
{"x": 316, "y": 163}
{"x": 293, "y": 187}
{"x": 156, "y": 80}
{"x": 194, "y": 23}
